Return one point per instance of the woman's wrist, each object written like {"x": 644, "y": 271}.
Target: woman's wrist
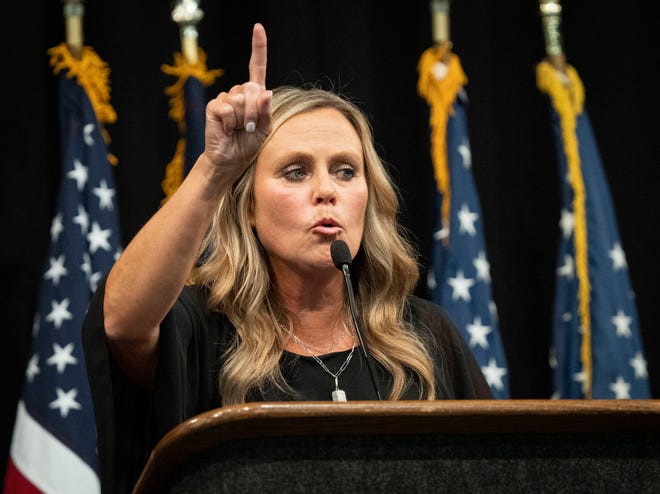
{"x": 216, "y": 178}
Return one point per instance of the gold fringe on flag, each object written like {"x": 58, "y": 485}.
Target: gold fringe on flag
{"x": 440, "y": 93}
{"x": 182, "y": 69}
{"x": 93, "y": 74}
{"x": 567, "y": 99}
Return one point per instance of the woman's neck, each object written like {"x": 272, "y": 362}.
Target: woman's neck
{"x": 318, "y": 316}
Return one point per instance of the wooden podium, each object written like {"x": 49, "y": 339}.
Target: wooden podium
{"x": 413, "y": 446}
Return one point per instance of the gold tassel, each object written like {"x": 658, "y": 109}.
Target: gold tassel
{"x": 182, "y": 70}
{"x": 440, "y": 93}
{"x": 93, "y": 74}
{"x": 568, "y": 101}
{"x": 174, "y": 171}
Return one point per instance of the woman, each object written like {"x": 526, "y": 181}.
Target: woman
{"x": 264, "y": 315}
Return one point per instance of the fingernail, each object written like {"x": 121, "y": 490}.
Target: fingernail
{"x": 250, "y": 127}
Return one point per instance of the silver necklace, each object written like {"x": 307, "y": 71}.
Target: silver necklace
{"x": 337, "y": 394}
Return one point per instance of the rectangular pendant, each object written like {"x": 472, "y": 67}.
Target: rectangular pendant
{"x": 338, "y": 395}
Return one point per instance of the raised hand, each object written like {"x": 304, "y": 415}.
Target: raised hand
{"x": 238, "y": 121}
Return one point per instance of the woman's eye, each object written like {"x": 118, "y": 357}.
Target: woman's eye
{"x": 295, "y": 174}
{"x": 346, "y": 173}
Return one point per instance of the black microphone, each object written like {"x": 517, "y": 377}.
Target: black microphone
{"x": 341, "y": 257}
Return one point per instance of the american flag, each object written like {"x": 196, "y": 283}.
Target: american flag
{"x": 597, "y": 350}
{"x": 53, "y": 446}
{"x": 459, "y": 276}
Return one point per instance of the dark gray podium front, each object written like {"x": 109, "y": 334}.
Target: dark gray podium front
{"x": 413, "y": 446}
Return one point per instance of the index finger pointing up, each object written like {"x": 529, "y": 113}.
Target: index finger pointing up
{"x": 259, "y": 55}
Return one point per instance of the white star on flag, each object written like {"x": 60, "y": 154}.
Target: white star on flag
{"x": 620, "y": 388}
{"x": 467, "y": 219}
{"x": 466, "y": 154}
{"x": 66, "y": 400}
{"x": 105, "y": 195}
{"x": 88, "y": 129}
{"x": 98, "y": 238}
{"x": 82, "y": 219}
{"x": 494, "y": 374}
{"x": 430, "y": 279}
{"x": 618, "y": 257}
{"x": 441, "y": 234}
{"x": 79, "y": 174}
{"x": 622, "y": 324}
{"x": 581, "y": 378}
{"x": 62, "y": 357}
{"x": 461, "y": 286}
{"x": 33, "y": 369}
{"x": 568, "y": 269}
{"x": 478, "y": 333}
{"x": 492, "y": 309}
{"x": 638, "y": 362}
{"x": 567, "y": 222}
{"x": 86, "y": 266}
{"x": 59, "y": 313}
{"x": 482, "y": 266}
{"x": 94, "y": 280}
{"x": 56, "y": 270}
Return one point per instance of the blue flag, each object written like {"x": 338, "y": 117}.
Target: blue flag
{"x": 459, "y": 277}
{"x": 194, "y": 96}
{"x": 188, "y": 109}
{"x": 54, "y": 442}
{"x": 597, "y": 350}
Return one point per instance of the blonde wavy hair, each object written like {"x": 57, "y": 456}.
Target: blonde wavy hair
{"x": 236, "y": 273}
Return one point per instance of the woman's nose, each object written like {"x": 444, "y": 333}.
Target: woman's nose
{"x": 324, "y": 189}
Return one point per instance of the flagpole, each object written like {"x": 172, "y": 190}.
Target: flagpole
{"x": 440, "y": 19}
{"x": 73, "y": 15}
{"x": 551, "y": 20}
{"x": 187, "y": 14}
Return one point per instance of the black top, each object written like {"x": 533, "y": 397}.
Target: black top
{"x": 131, "y": 420}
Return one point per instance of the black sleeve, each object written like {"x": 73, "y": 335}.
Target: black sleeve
{"x": 188, "y": 362}
{"x": 458, "y": 375}
{"x": 120, "y": 407}
{"x": 130, "y": 420}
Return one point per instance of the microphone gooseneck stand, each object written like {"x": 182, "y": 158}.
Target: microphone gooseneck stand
{"x": 341, "y": 257}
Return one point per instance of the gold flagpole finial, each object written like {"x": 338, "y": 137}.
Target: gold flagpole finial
{"x": 550, "y": 11}
{"x": 73, "y": 15}
{"x": 440, "y": 19}
{"x": 187, "y": 14}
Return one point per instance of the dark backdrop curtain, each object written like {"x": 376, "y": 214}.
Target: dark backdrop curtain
{"x": 368, "y": 50}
